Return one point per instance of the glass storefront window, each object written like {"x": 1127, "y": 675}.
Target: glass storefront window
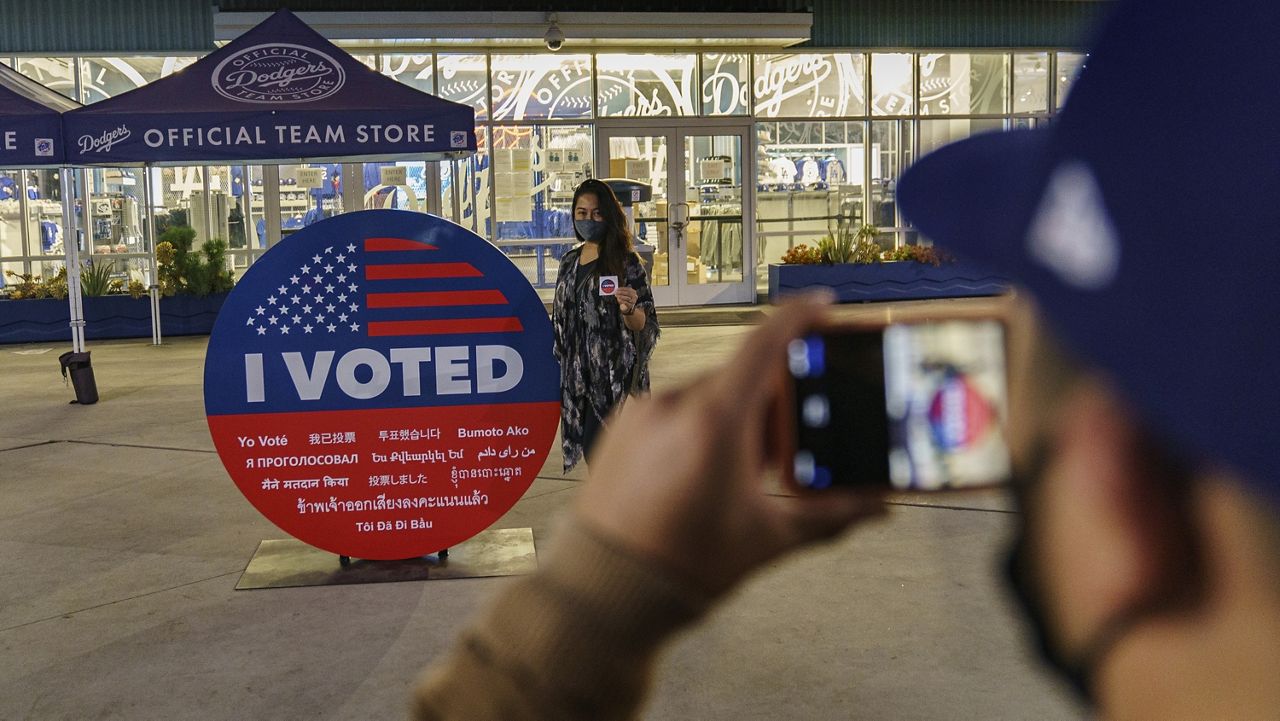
{"x": 890, "y": 145}
{"x": 473, "y": 176}
{"x": 1069, "y": 66}
{"x": 177, "y": 187}
{"x": 714, "y": 238}
{"x": 810, "y": 85}
{"x": 30, "y": 213}
{"x": 1030, "y": 82}
{"x": 115, "y": 217}
{"x": 222, "y": 205}
{"x": 395, "y": 186}
{"x": 540, "y": 87}
{"x": 12, "y": 188}
{"x": 646, "y": 85}
{"x": 879, "y": 101}
{"x": 417, "y": 71}
{"x": 102, "y": 78}
{"x": 309, "y": 193}
{"x": 253, "y": 205}
{"x": 44, "y": 213}
{"x": 465, "y": 79}
{"x": 645, "y": 158}
{"x": 963, "y": 83}
{"x": 55, "y": 73}
{"x": 114, "y": 232}
{"x": 809, "y": 183}
{"x": 726, "y": 80}
{"x": 936, "y": 133}
{"x": 892, "y": 82}
{"x": 536, "y": 169}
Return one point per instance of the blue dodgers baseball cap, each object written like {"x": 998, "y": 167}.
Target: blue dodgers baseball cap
{"x": 1144, "y": 220}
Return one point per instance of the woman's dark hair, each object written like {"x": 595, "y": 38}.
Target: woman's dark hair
{"x": 616, "y": 244}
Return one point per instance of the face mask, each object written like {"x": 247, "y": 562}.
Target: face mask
{"x": 592, "y": 230}
{"x": 1028, "y": 600}
{"x": 1078, "y": 669}
{"x": 1017, "y": 570}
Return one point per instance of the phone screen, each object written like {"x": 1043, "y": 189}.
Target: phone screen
{"x": 915, "y": 407}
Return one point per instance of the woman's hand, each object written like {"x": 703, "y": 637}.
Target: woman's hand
{"x": 627, "y": 298}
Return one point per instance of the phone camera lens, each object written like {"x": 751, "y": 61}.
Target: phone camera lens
{"x": 798, "y": 358}
{"x": 817, "y": 411}
{"x": 804, "y": 467}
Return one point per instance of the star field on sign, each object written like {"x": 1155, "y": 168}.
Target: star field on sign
{"x": 313, "y": 289}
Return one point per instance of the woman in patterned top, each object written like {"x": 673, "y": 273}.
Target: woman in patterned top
{"x": 600, "y": 340}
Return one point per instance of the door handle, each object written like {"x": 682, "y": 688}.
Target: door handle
{"x": 679, "y": 220}
{"x": 679, "y": 215}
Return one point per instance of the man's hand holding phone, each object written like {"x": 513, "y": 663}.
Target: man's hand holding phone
{"x": 679, "y": 476}
{"x": 916, "y": 406}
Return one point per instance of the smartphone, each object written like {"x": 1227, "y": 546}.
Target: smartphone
{"x": 909, "y": 407}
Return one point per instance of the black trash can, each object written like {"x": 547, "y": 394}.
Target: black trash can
{"x": 81, "y": 370}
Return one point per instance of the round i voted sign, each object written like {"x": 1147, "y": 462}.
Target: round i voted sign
{"x": 381, "y": 384}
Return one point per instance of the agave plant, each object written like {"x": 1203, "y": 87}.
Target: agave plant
{"x": 95, "y": 278}
{"x": 848, "y": 245}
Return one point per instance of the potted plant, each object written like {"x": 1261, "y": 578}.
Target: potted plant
{"x": 852, "y": 265}
{"x": 193, "y": 285}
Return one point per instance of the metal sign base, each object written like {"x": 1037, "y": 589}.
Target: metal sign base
{"x": 290, "y": 563}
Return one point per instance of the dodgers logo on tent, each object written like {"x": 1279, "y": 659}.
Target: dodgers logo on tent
{"x": 381, "y": 384}
{"x": 278, "y": 73}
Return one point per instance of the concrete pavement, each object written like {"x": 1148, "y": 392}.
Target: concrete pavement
{"x": 123, "y": 538}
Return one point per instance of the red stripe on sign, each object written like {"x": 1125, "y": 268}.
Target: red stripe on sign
{"x": 377, "y": 244}
{"x": 427, "y": 299}
{"x": 442, "y": 327}
{"x": 407, "y": 271}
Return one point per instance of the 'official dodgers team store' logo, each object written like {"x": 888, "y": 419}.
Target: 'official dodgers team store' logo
{"x": 381, "y": 384}
{"x": 278, "y": 73}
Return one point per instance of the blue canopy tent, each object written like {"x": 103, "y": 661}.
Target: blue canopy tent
{"x": 31, "y": 136}
{"x": 279, "y": 93}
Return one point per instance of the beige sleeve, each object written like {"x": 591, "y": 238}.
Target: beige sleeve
{"x": 576, "y": 640}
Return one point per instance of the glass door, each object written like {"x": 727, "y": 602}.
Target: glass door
{"x": 694, "y": 221}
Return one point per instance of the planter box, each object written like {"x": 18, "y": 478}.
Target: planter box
{"x": 903, "y": 280}
{"x": 109, "y": 316}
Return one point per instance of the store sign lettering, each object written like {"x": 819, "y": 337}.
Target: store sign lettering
{"x": 10, "y": 139}
{"x": 287, "y": 135}
{"x": 559, "y": 91}
{"x": 723, "y": 92}
{"x": 103, "y": 142}
{"x": 278, "y": 73}
{"x": 781, "y": 79}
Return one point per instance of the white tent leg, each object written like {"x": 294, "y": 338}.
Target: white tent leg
{"x": 71, "y": 244}
{"x": 148, "y": 213}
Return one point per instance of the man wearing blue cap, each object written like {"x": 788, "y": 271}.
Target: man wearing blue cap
{"x": 1149, "y": 555}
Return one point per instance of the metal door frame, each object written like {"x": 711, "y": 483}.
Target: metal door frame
{"x": 679, "y": 292}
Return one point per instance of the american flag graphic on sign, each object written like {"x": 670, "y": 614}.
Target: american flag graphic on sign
{"x": 346, "y": 289}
